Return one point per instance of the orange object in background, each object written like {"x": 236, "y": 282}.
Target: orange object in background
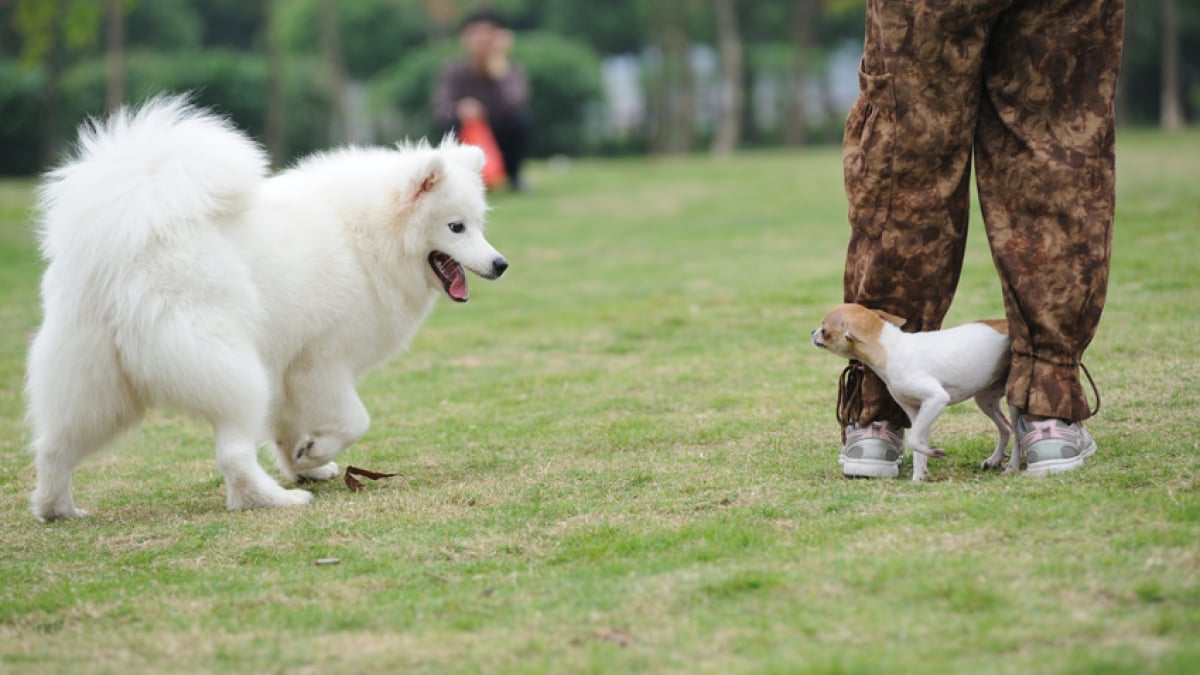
{"x": 478, "y": 132}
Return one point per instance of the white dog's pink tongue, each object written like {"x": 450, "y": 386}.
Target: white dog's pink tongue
{"x": 458, "y": 286}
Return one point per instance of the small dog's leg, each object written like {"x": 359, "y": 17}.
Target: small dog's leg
{"x": 1014, "y": 463}
{"x": 920, "y": 467}
{"x": 922, "y": 424}
{"x": 988, "y": 401}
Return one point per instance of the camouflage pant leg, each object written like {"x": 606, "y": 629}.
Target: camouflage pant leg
{"x": 1044, "y": 161}
{"x": 908, "y": 143}
{"x": 906, "y": 155}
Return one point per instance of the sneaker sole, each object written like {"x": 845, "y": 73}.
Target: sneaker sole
{"x": 1049, "y": 466}
{"x": 866, "y": 468}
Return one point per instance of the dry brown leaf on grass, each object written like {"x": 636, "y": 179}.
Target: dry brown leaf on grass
{"x": 620, "y": 638}
{"x": 354, "y": 484}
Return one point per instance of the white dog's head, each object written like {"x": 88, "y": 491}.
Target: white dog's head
{"x": 444, "y": 212}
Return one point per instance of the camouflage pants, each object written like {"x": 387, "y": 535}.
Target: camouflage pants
{"x": 1027, "y": 86}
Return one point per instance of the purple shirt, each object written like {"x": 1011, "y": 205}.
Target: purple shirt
{"x": 503, "y": 98}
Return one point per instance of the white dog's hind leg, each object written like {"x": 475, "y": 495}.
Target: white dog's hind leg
{"x": 333, "y": 418}
{"x": 988, "y": 401}
{"x": 78, "y": 402}
{"x": 203, "y": 364}
{"x": 238, "y": 425}
{"x": 247, "y": 485}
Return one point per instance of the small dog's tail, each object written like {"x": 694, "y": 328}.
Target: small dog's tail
{"x": 145, "y": 174}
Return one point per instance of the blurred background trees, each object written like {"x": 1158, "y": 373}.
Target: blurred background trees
{"x": 609, "y": 76}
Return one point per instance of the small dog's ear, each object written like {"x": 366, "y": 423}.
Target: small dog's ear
{"x": 890, "y": 318}
{"x": 849, "y": 336}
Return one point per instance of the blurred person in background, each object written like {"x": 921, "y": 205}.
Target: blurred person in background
{"x": 487, "y": 86}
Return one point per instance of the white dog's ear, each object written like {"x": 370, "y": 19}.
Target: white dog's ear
{"x": 890, "y": 318}
{"x": 468, "y": 156}
{"x": 428, "y": 179}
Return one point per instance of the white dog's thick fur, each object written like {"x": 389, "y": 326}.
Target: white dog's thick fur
{"x": 181, "y": 275}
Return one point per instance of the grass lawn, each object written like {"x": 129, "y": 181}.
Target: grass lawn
{"x": 623, "y": 457}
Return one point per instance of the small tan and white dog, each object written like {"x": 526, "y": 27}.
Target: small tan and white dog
{"x": 927, "y": 371}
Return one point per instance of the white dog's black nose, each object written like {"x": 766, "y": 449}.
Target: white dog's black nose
{"x": 498, "y": 267}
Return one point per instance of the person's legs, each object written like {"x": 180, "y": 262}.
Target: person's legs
{"x": 1046, "y": 174}
{"x": 512, "y": 137}
{"x": 906, "y": 155}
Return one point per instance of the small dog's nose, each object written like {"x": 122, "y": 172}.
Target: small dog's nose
{"x": 499, "y": 265}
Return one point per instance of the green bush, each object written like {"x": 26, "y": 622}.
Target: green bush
{"x": 233, "y": 83}
{"x": 375, "y": 34}
{"x": 564, "y": 78}
{"x": 21, "y": 130}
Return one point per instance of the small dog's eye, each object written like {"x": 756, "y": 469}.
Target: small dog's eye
{"x": 457, "y": 227}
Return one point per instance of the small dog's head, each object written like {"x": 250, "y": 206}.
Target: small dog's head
{"x": 847, "y": 328}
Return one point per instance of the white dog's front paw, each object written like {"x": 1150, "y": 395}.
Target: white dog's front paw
{"x": 276, "y": 498}
{"x": 296, "y": 498}
{"x": 325, "y": 472}
{"x": 50, "y": 509}
{"x": 51, "y": 515}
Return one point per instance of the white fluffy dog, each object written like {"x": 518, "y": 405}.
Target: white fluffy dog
{"x": 181, "y": 275}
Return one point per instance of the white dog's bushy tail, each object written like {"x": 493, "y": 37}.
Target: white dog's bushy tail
{"x": 144, "y": 174}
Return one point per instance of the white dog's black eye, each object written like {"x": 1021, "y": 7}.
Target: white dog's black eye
{"x": 457, "y": 227}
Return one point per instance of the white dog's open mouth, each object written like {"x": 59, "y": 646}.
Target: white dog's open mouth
{"x": 451, "y": 274}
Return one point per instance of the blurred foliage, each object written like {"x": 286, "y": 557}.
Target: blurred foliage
{"x": 20, "y": 115}
{"x": 36, "y": 20}
{"x": 1141, "y": 68}
{"x": 396, "y": 47}
{"x": 228, "y": 81}
{"x": 376, "y": 34}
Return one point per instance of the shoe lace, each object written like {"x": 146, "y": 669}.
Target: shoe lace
{"x": 849, "y": 400}
{"x": 1095, "y": 389}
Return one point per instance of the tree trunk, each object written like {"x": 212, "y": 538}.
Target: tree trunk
{"x": 670, "y": 88}
{"x": 275, "y": 132}
{"x": 729, "y": 42}
{"x": 53, "y": 140}
{"x": 331, "y": 45}
{"x": 681, "y": 86}
{"x": 795, "y": 119}
{"x": 1171, "y": 114}
{"x": 115, "y": 57}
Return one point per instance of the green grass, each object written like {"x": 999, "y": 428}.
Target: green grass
{"x": 622, "y": 457}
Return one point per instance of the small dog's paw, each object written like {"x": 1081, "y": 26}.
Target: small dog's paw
{"x": 324, "y": 472}
{"x": 993, "y": 462}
